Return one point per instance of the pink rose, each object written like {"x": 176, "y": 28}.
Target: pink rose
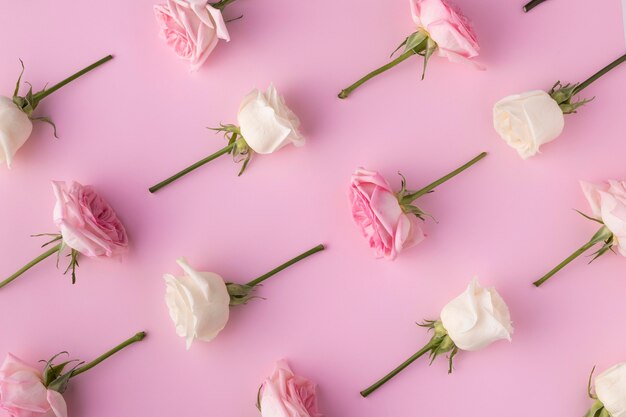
{"x": 23, "y": 394}
{"x": 447, "y": 27}
{"x": 287, "y": 395}
{"x": 377, "y": 212}
{"x": 608, "y": 203}
{"x": 87, "y": 223}
{"x": 192, "y": 28}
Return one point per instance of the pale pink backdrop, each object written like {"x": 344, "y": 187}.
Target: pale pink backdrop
{"x": 341, "y": 318}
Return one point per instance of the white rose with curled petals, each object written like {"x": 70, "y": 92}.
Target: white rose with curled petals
{"x": 610, "y": 388}
{"x": 528, "y": 120}
{"x": 198, "y": 303}
{"x": 477, "y": 318}
{"x": 15, "y": 129}
{"x": 266, "y": 123}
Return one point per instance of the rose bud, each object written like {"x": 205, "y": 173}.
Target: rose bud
{"x": 441, "y": 29}
{"x": 389, "y": 220}
{"x": 529, "y": 120}
{"x": 87, "y": 226}
{"x": 266, "y": 125}
{"x": 16, "y": 113}
{"x": 27, "y": 392}
{"x": 470, "y": 322}
{"x": 199, "y": 302}
{"x": 285, "y": 394}
{"x": 192, "y": 28}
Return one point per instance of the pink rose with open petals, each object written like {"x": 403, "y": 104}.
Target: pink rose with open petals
{"x": 608, "y": 203}
{"x": 284, "y": 394}
{"x": 192, "y": 28}
{"x": 23, "y": 394}
{"x": 447, "y": 27}
{"x": 377, "y": 212}
{"x": 87, "y": 223}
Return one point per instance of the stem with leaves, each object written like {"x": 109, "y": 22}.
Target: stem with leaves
{"x": 602, "y": 235}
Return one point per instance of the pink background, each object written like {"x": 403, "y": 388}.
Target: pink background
{"x": 341, "y": 318}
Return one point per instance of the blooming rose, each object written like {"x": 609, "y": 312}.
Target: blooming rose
{"x": 528, "y": 120}
{"x": 610, "y": 388}
{"x": 198, "y": 303}
{"x": 192, "y": 28}
{"x": 287, "y": 395}
{"x": 87, "y": 223}
{"x": 266, "y": 123}
{"x": 377, "y": 212}
{"x": 477, "y": 318}
{"x": 608, "y": 204}
{"x": 15, "y": 129}
{"x": 23, "y": 394}
{"x": 448, "y": 28}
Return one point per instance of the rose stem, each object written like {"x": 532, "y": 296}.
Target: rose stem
{"x": 414, "y": 196}
{"x": 274, "y": 271}
{"x": 531, "y": 5}
{"x": 346, "y": 91}
{"x": 221, "y": 5}
{"x": 136, "y": 338}
{"x": 598, "y": 74}
{"x": 396, "y": 371}
{"x": 45, "y": 93}
{"x": 32, "y": 263}
{"x": 186, "y": 171}
{"x": 601, "y": 235}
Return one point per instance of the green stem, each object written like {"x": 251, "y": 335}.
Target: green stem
{"x": 198, "y": 164}
{"x": 274, "y": 271}
{"x": 598, "y": 74}
{"x": 45, "y": 93}
{"x": 32, "y": 263}
{"x": 603, "y": 234}
{"x": 531, "y": 5}
{"x": 414, "y": 196}
{"x": 346, "y": 91}
{"x": 136, "y": 338}
{"x": 399, "y": 369}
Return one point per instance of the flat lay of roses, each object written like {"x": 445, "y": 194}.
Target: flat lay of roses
{"x": 298, "y": 209}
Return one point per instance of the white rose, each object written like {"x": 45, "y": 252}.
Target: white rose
{"x": 477, "y": 318}
{"x": 528, "y": 120}
{"x": 198, "y": 303}
{"x": 15, "y": 129}
{"x": 266, "y": 123}
{"x": 611, "y": 390}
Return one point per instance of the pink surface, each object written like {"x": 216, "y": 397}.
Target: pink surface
{"x": 341, "y": 318}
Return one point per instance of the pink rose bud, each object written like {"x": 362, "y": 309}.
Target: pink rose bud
{"x": 377, "y": 212}
{"x": 285, "y": 394}
{"x": 192, "y": 28}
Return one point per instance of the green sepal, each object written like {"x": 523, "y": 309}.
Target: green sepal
{"x": 563, "y": 95}
{"x": 240, "y": 293}
{"x": 53, "y": 376}
{"x": 431, "y": 47}
{"x": 606, "y": 236}
{"x": 593, "y": 219}
{"x": 440, "y": 343}
{"x": 73, "y": 255}
{"x": 405, "y": 201}
{"x": 242, "y": 153}
{"x": 48, "y": 120}
{"x": 598, "y": 410}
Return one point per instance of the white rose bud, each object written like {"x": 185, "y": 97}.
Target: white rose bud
{"x": 15, "y": 129}
{"x": 266, "y": 123}
{"x": 477, "y": 318}
{"x": 198, "y": 303}
{"x": 611, "y": 390}
{"x": 528, "y": 120}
